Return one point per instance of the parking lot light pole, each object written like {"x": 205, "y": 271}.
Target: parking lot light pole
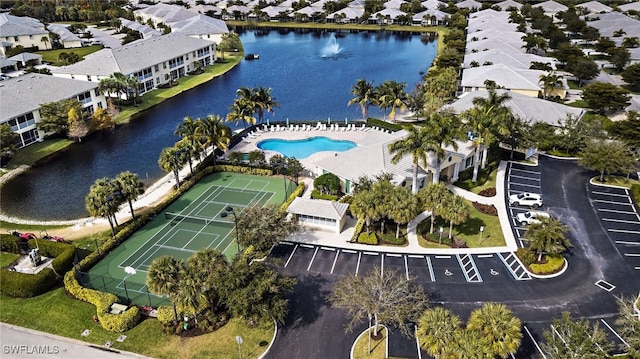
{"x": 481, "y": 230}
{"x": 229, "y": 210}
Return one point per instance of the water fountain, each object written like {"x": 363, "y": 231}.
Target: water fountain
{"x": 332, "y": 48}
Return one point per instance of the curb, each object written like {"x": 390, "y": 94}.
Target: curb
{"x": 549, "y": 276}
{"x": 273, "y": 340}
{"x": 386, "y": 340}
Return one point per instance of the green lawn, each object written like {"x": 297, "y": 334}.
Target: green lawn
{"x": 573, "y": 85}
{"x": 469, "y": 231}
{"x": 616, "y": 181}
{"x": 578, "y": 104}
{"x": 51, "y": 56}
{"x": 7, "y": 258}
{"x": 33, "y": 153}
{"x": 378, "y": 347}
{"x": 155, "y": 97}
{"x": 46, "y": 313}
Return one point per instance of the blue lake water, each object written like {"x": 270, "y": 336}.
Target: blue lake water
{"x": 308, "y": 84}
{"x": 302, "y": 149}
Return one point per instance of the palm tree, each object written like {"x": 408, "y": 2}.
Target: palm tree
{"x": 45, "y": 39}
{"x": 431, "y": 197}
{"x": 497, "y": 324}
{"x": 392, "y": 95}
{"x": 456, "y": 210}
{"x": 171, "y": 160}
{"x": 242, "y": 109}
{"x": 548, "y": 236}
{"x": 263, "y": 101}
{"x": 187, "y": 129}
{"x": 163, "y": 278}
{"x": 211, "y": 269}
{"x": 133, "y": 87}
{"x": 365, "y": 95}
{"x": 121, "y": 82}
{"x": 549, "y": 83}
{"x": 365, "y": 205}
{"x": 484, "y": 119}
{"x": 402, "y": 207}
{"x": 214, "y": 133}
{"x": 189, "y": 295}
{"x": 101, "y": 201}
{"x": 130, "y": 188}
{"x": 445, "y": 127}
{"x": 415, "y": 144}
{"x": 189, "y": 150}
{"x": 437, "y": 328}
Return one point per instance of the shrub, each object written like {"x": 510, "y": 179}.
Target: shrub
{"x": 165, "y": 315}
{"x": 635, "y": 193}
{"x": 391, "y": 239}
{"x": 63, "y": 254}
{"x": 23, "y": 285}
{"x": 315, "y": 194}
{"x": 298, "y": 192}
{"x": 555, "y": 262}
{"x": 9, "y": 243}
{"x": 371, "y": 122}
{"x": 486, "y": 209}
{"x": 370, "y": 238}
{"x": 327, "y": 183}
{"x": 526, "y": 256}
{"x": 357, "y": 230}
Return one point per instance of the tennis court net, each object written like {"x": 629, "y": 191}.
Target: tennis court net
{"x": 204, "y": 220}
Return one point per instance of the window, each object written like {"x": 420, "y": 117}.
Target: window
{"x": 97, "y": 92}
{"x": 88, "y": 77}
{"x": 84, "y": 98}
{"x": 157, "y": 68}
{"x": 178, "y": 61}
{"x": 15, "y": 38}
{"x": 203, "y": 52}
{"x": 468, "y": 162}
{"x": 22, "y": 122}
{"x": 100, "y": 105}
{"x": 29, "y": 137}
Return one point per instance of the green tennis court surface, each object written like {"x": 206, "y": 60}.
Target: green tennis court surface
{"x": 191, "y": 223}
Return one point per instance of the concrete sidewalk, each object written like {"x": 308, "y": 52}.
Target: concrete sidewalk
{"x": 342, "y": 240}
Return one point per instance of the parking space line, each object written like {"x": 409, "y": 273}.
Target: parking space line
{"x": 525, "y": 171}
{"x": 393, "y": 255}
{"x": 485, "y": 255}
{"x": 358, "y": 265}
{"x": 382, "y": 266}
{"x": 431, "y": 273}
{"x": 636, "y": 268}
{"x": 620, "y": 221}
{"x": 614, "y": 202}
{"x": 529, "y": 178}
{"x": 371, "y": 253}
{"x": 622, "y": 231}
{"x": 610, "y": 194}
{"x": 306, "y": 245}
{"x": 334, "y": 261}
{"x": 415, "y": 256}
{"x": 605, "y": 285}
{"x": 291, "y": 256}
{"x": 632, "y": 254}
{"x": 534, "y": 342}
{"x": 443, "y": 257}
{"x": 526, "y": 185}
{"x": 629, "y": 243}
{"x": 348, "y": 251}
{"x": 328, "y": 249}
{"x": 312, "y": 258}
{"x": 287, "y": 243}
{"x": 615, "y": 211}
{"x": 614, "y": 332}
{"x": 469, "y": 268}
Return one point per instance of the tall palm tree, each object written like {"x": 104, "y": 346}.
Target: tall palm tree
{"x": 364, "y": 95}
{"x": 163, "y": 278}
{"x": 497, "y": 324}
{"x": 437, "y": 328}
{"x": 264, "y": 102}
{"x": 189, "y": 295}
{"x": 171, "y": 160}
{"x": 45, "y": 39}
{"x": 548, "y": 236}
{"x": 211, "y": 270}
{"x": 431, "y": 197}
{"x": 366, "y": 205}
{"x": 456, "y": 210}
{"x": 550, "y": 82}
{"x": 242, "y": 109}
{"x": 133, "y": 87}
{"x": 393, "y": 95}
{"x": 415, "y": 144}
{"x": 187, "y": 129}
{"x": 101, "y": 201}
{"x": 484, "y": 119}
{"x": 214, "y": 133}
{"x": 445, "y": 127}
{"x": 189, "y": 150}
{"x": 130, "y": 188}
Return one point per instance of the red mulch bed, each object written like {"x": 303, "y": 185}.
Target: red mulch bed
{"x": 486, "y": 209}
{"x": 488, "y": 192}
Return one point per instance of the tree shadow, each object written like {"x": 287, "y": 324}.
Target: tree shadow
{"x": 309, "y": 296}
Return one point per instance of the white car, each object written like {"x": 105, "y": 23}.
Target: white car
{"x": 526, "y": 199}
{"x": 530, "y": 217}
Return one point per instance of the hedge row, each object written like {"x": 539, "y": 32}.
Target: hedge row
{"x": 393, "y": 127}
{"x": 23, "y": 285}
{"x": 635, "y": 193}
{"x": 315, "y": 194}
{"x": 102, "y": 300}
{"x": 9, "y": 243}
{"x": 112, "y": 322}
{"x": 555, "y": 262}
{"x": 298, "y": 192}
{"x": 357, "y": 230}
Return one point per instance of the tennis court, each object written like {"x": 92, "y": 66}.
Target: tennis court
{"x": 191, "y": 223}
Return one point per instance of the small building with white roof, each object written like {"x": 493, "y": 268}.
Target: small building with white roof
{"x": 66, "y": 38}
{"x": 319, "y": 213}
{"x": 23, "y": 31}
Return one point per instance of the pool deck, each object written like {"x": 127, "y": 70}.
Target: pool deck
{"x": 361, "y": 136}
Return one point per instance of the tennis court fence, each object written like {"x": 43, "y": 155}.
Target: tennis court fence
{"x": 127, "y": 291}
{"x": 176, "y": 217}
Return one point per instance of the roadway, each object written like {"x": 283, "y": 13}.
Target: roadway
{"x": 600, "y": 268}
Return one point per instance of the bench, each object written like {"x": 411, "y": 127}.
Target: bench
{"x": 117, "y": 308}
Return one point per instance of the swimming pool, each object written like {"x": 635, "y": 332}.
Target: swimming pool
{"x": 301, "y": 149}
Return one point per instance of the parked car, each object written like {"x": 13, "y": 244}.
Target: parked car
{"x": 530, "y": 217}
{"x": 526, "y": 199}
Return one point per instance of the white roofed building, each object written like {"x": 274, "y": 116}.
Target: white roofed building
{"x": 319, "y": 213}
{"x": 594, "y": 7}
{"x": 23, "y": 31}
{"x": 66, "y": 38}
{"x": 22, "y": 97}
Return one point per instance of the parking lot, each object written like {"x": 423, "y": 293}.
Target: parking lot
{"x": 447, "y": 268}
{"x": 520, "y": 178}
{"x": 619, "y": 217}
